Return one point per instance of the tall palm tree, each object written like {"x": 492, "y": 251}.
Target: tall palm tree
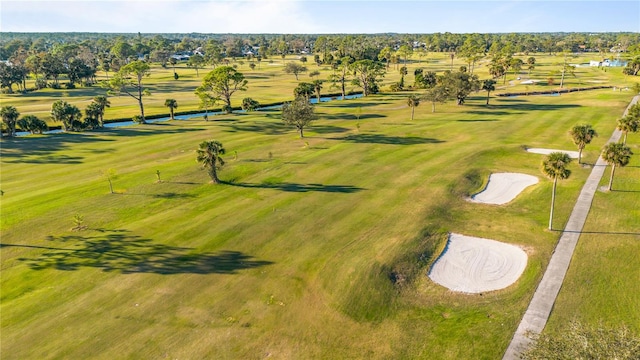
{"x": 616, "y": 154}
{"x": 317, "y": 86}
{"x": 581, "y": 136}
{"x": 628, "y": 124}
{"x": 104, "y": 103}
{"x": 209, "y": 156}
{"x": 9, "y": 116}
{"x": 554, "y": 166}
{"x": 92, "y": 115}
{"x": 172, "y": 104}
{"x": 413, "y": 101}
{"x": 489, "y": 85}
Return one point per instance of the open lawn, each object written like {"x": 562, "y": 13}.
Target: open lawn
{"x": 293, "y": 256}
{"x": 602, "y": 284}
{"x": 268, "y": 83}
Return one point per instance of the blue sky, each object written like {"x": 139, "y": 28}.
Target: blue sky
{"x": 318, "y": 16}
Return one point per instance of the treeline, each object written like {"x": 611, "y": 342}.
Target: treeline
{"x": 78, "y": 56}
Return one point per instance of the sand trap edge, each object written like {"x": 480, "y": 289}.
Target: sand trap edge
{"x": 477, "y": 274}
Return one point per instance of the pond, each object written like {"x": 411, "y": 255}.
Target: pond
{"x": 201, "y": 114}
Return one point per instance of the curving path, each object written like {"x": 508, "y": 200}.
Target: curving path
{"x": 537, "y": 314}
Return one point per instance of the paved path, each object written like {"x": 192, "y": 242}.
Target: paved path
{"x": 537, "y": 314}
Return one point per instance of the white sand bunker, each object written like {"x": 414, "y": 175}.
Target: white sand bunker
{"x": 504, "y": 187}
{"x": 573, "y": 154}
{"x": 474, "y": 265}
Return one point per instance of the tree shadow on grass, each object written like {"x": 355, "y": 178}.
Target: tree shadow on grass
{"x": 292, "y": 187}
{"x": 390, "y": 140}
{"x": 523, "y": 107}
{"x": 267, "y": 128}
{"x": 120, "y": 251}
{"x": 477, "y": 120}
{"x": 42, "y": 149}
{"x": 343, "y": 116}
{"x": 357, "y": 104}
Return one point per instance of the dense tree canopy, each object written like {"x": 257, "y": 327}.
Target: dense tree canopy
{"x": 222, "y": 83}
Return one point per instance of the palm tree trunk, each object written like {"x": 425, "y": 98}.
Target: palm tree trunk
{"x": 433, "y": 107}
{"x": 624, "y": 140}
{"x": 343, "y": 90}
{"x": 613, "y": 170}
{"x": 487, "y": 98}
{"x": 413, "y": 108}
{"x": 214, "y": 174}
{"x": 579, "y": 156}
{"x": 553, "y": 200}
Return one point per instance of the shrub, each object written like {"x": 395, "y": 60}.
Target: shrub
{"x": 70, "y": 85}
{"x": 41, "y": 84}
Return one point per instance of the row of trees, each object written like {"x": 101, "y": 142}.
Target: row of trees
{"x": 616, "y": 154}
{"x": 79, "y": 60}
{"x": 61, "y": 111}
{"x": 233, "y": 45}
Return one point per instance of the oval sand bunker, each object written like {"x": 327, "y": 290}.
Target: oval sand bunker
{"x": 572, "y": 154}
{"x": 474, "y": 265}
{"x": 504, "y": 187}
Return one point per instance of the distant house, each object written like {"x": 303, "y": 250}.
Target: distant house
{"x": 608, "y": 63}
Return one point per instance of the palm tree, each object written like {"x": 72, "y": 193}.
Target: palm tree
{"x": 9, "y": 116}
{"x": 628, "y": 124}
{"x": 616, "y": 154}
{"x": 554, "y": 166}
{"x": 489, "y": 85}
{"x": 209, "y": 156}
{"x": 581, "y": 136}
{"x": 317, "y": 86}
{"x": 66, "y": 113}
{"x": 92, "y": 115}
{"x": 413, "y": 101}
{"x": 172, "y": 104}
{"x": 104, "y": 103}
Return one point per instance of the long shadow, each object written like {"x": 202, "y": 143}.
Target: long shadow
{"x": 266, "y": 128}
{"x": 600, "y": 232}
{"x": 173, "y": 195}
{"x": 390, "y": 140}
{"x": 292, "y": 187}
{"x": 357, "y": 104}
{"x": 343, "y": 116}
{"x": 526, "y": 106}
{"x": 326, "y": 129}
{"x": 147, "y": 130}
{"x": 489, "y": 112}
{"x": 127, "y": 254}
{"x": 42, "y": 149}
{"x": 477, "y": 120}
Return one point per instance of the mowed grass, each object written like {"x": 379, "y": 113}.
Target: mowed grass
{"x": 290, "y": 257}
{"x": 267, "y": 83}
{"x": 602, "y": 287}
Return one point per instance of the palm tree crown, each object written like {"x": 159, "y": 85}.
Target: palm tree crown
{"x": 616, "y": 154}
{"x": 172, "y": 104}
{"x": 209, "y": 156}
{"x": 581, "y": 136}
{"x": 554, "y": 166}
{"x": 9, "y": 116}
{"x": 628, "y": 124}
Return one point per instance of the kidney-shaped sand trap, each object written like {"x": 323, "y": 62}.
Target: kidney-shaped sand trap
{"x": 474, "y": 265}
{"x": 504, "y": 187}
{"x": 572, "y": 154}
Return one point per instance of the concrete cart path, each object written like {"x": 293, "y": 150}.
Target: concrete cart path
{"x": 537, "y": 314}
